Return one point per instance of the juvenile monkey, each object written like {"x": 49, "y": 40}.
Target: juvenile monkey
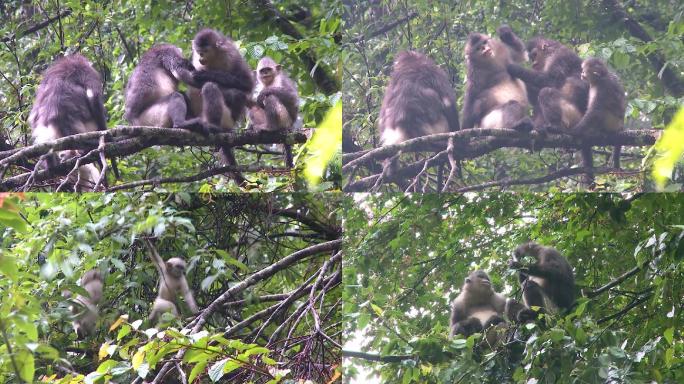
{"x": 493, "y": 99}
{"x": 548, "y": 283}
{"x": 478, "y": 307}
{"x": 86, "y": 314}
{"x": 277, "y": 100}
{"x": 605, "y": 109}
{"x": 172, "y": 283}
{"x": 555, "y": 78}
{"x": 69, "y": 101}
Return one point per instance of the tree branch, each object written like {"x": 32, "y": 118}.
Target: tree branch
{"x": 37, "y": 27}
{"x": 375, "y": 357}
{"x": 386, "y": 28}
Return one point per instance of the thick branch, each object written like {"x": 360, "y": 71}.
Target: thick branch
{"x": 386, "y": 28}
{"x": 616, "y": 281}
{"x": 626, "y": 309}
{"x": 36, "y": 27}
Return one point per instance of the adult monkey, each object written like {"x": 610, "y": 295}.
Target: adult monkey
{"x": 69, "y": 101}
{"x": 478, "y": 307}
{"x": 605, "y": 110}
{"x": 555, "y": 78}
{"x": 277, "y": 101}
{"x": 152, "y": 96}
{"x": 549, "y": 282}
{"x": 418, "y": 101}
{"x": 220, "y": 86}
{"x": 493, "y": 99}
{"x": 172, "y": 284}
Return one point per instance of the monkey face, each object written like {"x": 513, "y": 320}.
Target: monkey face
{"x": 266, "y": 75}
{"x": 478, "y": 281}
{"x": 593, "y": 70}
{"x": 176, "y": 266}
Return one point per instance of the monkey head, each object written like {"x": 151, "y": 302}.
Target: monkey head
{"x": 482, "y": 50}
{"x": 210, "y": 47}
{"x": 176, "y": 266}
{"x": 540, "y": 50}
{"x": 593, "y": 70}
{"x": 406, "y": 60}
{"x": 267, "y": 70}
{"x": 479, "y": 284}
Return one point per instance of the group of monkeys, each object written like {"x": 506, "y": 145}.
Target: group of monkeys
{"x": 548, "y": 286}
{"x": 567, "y": 95}
{"x": 172, "y": 285}
{"x": 220, "y": 86}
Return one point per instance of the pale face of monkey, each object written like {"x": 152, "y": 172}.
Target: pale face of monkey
{"x": 176, "y": 267}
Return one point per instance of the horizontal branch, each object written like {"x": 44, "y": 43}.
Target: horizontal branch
{"x": 508, "y": 138}
{"x": 376, "y": 357}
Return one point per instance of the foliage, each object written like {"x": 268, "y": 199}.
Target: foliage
{"x": 671, "y": 146}
{"x": 259, "y": 331}
{"x": 114, "y": 34}
{"x": 439, "y": 29}
{"x": 407, "y": 255}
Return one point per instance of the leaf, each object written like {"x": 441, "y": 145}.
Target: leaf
{"x": 197, "y": 370}
{"x": 325, "y": 144}
{"x": 138, "y": 359}
{"x": 669, "y": 335}
{"x": 216, "y": 370}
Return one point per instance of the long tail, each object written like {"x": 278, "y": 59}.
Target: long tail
{"x": 228, "y": 158}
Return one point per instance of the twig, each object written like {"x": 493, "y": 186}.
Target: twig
{"x": 386, "y": 28}
{"x": 375, "y": 357}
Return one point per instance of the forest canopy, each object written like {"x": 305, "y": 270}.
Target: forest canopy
{"x": 301, "y": 36}
{"x": 407, "y": 256}
{"x": 639, "y": 40}
{"x": 264, "y": 270}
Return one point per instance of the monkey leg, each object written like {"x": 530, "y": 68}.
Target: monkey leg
{"x": 533, "y": 294}
{"x": 617, "y": 151}
{"x": 551, "y": 111}
{"x": 492, "y": 321}
{"x": 588, "y": 164}
{"x": 467, "y": 327}
{"x": 514, "y": 115}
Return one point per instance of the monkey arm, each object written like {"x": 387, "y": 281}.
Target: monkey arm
{"x": 156, "y": 259}
{"x": 187, "y": 295}
{"x": 531, "y": 77}
{"x": 224, "y": 79}
{"x": 507, "y": 35}
{"x": 286, "y": 96}
{"x": 471, "y": 112}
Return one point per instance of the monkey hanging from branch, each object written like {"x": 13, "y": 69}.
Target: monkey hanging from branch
{"x": 172, "y": 284}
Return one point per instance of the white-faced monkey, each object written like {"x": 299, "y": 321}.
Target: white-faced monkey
{"x": 549, "y": 282}
{"x": 493, "y": 99}
{"x": 277, "y": 100}
{"x": 478, "y": 307}
{"x": 172, "y": 284}
{"x": 69, "y": 101}
{"x": 86, "y": 313}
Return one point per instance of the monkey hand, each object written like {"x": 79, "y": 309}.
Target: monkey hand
{"x": 185, "y": 76}
{"x": 526, "y": 315}
{"x": 506, "y": 34}
{"x": 515, "y": 264}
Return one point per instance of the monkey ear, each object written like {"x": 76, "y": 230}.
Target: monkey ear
{"x": 467, "y": 280}
{"x": 278, "y": 67}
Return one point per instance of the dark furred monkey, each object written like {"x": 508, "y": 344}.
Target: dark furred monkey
{"x": 418, "y": 101}
{"x": 478, "y": 307}
{"x": 605, "y": 109}
{"x": 69, "y": 101}
{"x": 555, "y": 78}
{"x": 220, "y": 85}
{"x": 277, "y": 98}
{"x": 549, "y": 283}
{"x": 493, "y": 99}
{"x": 152, "y": 96}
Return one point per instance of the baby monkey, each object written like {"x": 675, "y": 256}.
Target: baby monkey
{"x": 172, "y": 283}
{"x": 86, "y": 313}
{"x": 276, "y": 106}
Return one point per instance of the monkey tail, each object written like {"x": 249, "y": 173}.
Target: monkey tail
{"x": 228, "y": 158}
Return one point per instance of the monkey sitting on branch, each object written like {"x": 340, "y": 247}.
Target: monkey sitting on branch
{"x": 549, "y": 282}
{"x": 479, "y": 307}
{"x": 172, "y": 284}
{"x": 277, "y": 102}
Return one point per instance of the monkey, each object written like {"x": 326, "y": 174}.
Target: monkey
{"x": 69, "y": 101}
{"x": 86, "y": 313}
{"x": 172, "y": 283}
{"x": 605, "y": 109}
{"x": 557, "y": 93}
{"x": 418, "y": 100}
{"x": 478, "y": 307}
{"x": 152, "y": 95}
{"x": 493, "y": 99}
{"x": 549, "y": 282}
{"x": 219, "y": 86}
{"x": 277, "y": 101}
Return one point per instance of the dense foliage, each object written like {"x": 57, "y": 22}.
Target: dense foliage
{"x": 265, "y": 272}
{"x": 406, "y": 257}
{"x": 302, "y": 36}
{"x": 651, "y": 72}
